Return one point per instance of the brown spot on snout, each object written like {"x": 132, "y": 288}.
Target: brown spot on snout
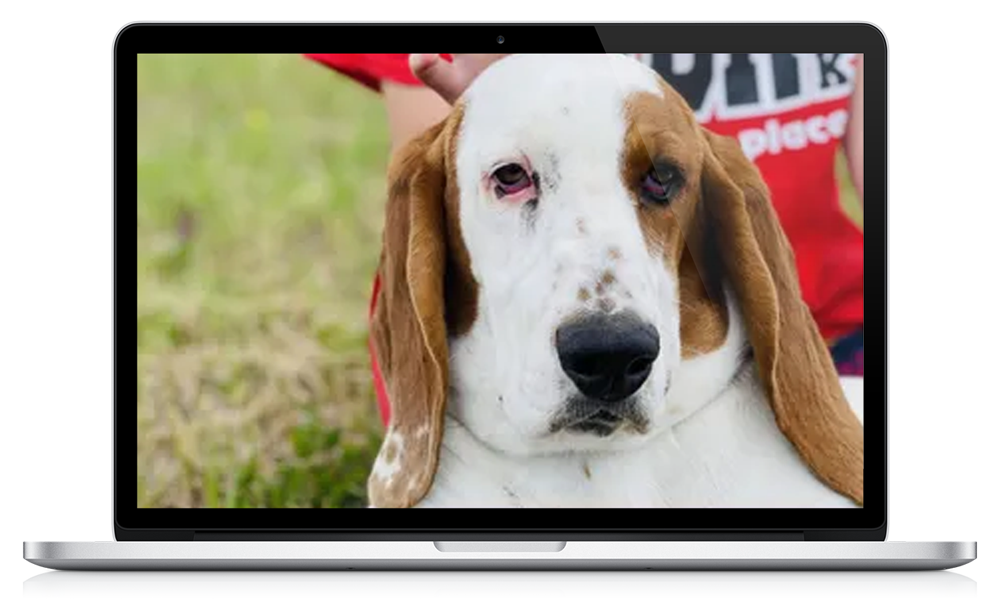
{"x": 614, "y": 254}
{"x": 583, "y": 295}
{"x": 605, "y": 283}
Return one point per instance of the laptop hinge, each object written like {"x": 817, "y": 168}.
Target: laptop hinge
{"x": 322, "y": 536}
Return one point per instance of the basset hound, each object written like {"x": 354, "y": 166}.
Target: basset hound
{"x": 587, "y": 301}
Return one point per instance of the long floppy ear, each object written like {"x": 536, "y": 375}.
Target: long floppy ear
{"x": 795, "y": 365}
{"x": 408, "y": 327}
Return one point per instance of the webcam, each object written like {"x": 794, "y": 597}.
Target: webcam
{"x": 500, "y": 39}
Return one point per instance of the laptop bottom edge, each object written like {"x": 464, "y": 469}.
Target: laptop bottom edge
{"x": 427, "y": 556}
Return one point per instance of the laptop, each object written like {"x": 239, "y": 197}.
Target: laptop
{"x": 622, "y": 292}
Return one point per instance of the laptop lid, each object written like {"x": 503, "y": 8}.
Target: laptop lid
{"x": 622, "y": 290}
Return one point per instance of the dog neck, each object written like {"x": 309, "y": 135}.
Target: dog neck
{"x": 723, "y": 449}
{"x": 728, "y": 455}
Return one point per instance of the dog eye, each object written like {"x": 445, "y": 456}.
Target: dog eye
{"x": 511, "y": 179}
{"x": 660, "y": 185}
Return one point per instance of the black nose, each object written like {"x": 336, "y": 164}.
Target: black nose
{"x": 608, "y": 357}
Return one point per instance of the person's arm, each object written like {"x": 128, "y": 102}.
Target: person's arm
{"x": 854, "y": 141}
{"x": 414, "y": 109}
{"x": 411, "y": 107}
{"x": 411, "y": 110}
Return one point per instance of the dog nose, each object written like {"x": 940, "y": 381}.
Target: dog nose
{"x": 608, "y": 357}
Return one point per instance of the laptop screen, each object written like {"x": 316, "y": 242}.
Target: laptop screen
{"x": 513, "y": 281}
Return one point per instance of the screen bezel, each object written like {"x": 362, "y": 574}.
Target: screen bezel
{"x": 487, "y": 524}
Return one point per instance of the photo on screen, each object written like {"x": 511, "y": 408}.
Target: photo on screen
{"x": 583, "y": 281}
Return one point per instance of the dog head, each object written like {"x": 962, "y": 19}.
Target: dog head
{"x": 559, "y": 251}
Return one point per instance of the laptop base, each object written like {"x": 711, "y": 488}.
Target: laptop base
{"x": 940, "y": 584}
{"x": 500, "y": 556}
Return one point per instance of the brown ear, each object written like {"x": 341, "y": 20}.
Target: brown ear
{"x": 796, "y": 367}
{"x": 408, "y": 328}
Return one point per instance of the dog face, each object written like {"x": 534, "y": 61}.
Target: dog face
{"x": 556, "y": 261}
{"x": 569, "y": 211}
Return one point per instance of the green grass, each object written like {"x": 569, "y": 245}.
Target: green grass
{"x": 260, "y": 199}
{"x": 260, "y": 206}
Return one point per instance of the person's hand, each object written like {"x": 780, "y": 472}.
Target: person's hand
{"x": 450, "y": 80}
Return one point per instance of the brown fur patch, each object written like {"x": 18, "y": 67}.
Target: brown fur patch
{"x": 722, "y": 226}
{"x": 408, "y": 329}
{"x": 663, "y": 130}
{"x": 583, "y": 295}
{"x": 704, "y": 319}
{"x": 608, "y": 278}
{"x": 794, "y": 362}
{"x": 427, "y": 294}
{"x": 461, "y": 289}
{"x": 391, "y": 453}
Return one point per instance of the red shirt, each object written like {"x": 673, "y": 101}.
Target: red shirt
{"x": 790, "y": 113}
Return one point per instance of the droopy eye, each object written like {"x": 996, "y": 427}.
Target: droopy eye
{"x": 660, "y": 185}
{"x": 511, "y": 179}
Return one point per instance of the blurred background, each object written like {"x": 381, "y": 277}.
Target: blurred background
{"x": 260, "y": 204}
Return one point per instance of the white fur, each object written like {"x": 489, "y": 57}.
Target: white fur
{"x": 710, "y": 441}
{"x": 566, "y": 119}
{"x": 727, "y": 453}
{"x": 394, "y": 445}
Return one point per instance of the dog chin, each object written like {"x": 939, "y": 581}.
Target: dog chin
{"x": 596, "y": 441}
{"x": 600, "y": 429}
{"x": 598, "y": 426}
